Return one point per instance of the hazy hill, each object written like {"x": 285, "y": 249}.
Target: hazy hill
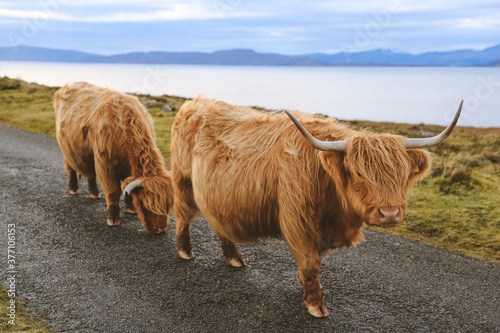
{"x": 387, "y": 57}
{"x": 229, "y": 57}
{"x": 380, "y": 57}
{"x": 26, "y": 53}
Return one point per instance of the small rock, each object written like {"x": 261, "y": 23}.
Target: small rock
{"x": 149, "y": 103}
{"x": 166, "y": 107}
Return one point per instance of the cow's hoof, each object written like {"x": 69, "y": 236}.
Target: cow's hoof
{"x": 236, "y": 262}
{"x": 113, "y": 223}
{"x": 131, "y": 211}
{"x": 317, "y": 311}
{"x": 95, "y": 196}
{"x": 184, "y": 255}
{"x": 74, "y": 192}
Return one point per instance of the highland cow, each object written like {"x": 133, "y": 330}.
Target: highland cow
{"x": 254, "y": 176}
{"x": 109, "y": 135}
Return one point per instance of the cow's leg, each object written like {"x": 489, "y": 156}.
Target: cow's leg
{"x": 113, "y": 194}
{"x": 309, "y": 264}
{"x": 185, "y": 209}
{"x": 72, "y": 179}
{"x": 110, "y": 184}
{"x": 93, "y": 190}
{"x": 129, "y": 204}
{"x": 229, "y": 250}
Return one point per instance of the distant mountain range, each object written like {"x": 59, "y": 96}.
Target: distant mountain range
{"x": 239, "y": 57}
{"x": 486, "y": 57}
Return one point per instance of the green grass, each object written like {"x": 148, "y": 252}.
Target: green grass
{"x": 27, "y": 106}
{"x": 23, "y": 322}
{"x": 457, "y": 207}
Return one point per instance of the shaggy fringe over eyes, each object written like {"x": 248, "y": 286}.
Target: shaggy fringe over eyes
{"x": 380, "y": 162}
{"x": 157, "y": 195}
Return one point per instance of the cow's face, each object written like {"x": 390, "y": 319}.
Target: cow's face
{"x": 152, "y": 200}
{"x": 374, "y": 175}
{"x": 373, "y": 172}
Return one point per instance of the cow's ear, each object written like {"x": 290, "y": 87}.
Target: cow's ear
{"x": 421, "y": 162}
{"x": 333, "y": 163}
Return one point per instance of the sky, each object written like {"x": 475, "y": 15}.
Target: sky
{"x": 269, "y": 26}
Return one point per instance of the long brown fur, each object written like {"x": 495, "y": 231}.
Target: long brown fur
{"x": 110, "y": 135}
{"x": 254, "y": 176}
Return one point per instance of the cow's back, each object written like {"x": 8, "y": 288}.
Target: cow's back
{"x": 93, "y": 120}
{"x": 217, "y": 130}
{"x": 220, "y": 133}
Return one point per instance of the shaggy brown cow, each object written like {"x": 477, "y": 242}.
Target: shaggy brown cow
{"x": 110, "y": 135}
{"x": 254, "y": 176}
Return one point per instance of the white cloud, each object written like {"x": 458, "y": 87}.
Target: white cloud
{"x": 478, "y": 23}
{"x": 32, "y": 14}
{"x": 148, "y": 3}
{"x": 175, "y": 11}
{"x": 178, "y": 12}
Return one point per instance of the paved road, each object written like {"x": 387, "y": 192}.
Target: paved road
{"x": 79, "y": 275}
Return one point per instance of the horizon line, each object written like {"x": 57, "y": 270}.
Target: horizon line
{"x": 253, "y": 50}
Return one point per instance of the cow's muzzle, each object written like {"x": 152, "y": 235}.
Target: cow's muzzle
{"x": 387, "y": 216}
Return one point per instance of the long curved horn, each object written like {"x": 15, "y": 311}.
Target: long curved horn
{"x": 130, "y": 187}
{"x": 435, "y": 140}
{"x": 321, "y": 145}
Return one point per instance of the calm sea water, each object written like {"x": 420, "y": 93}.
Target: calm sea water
{"x": 427, "y": 95}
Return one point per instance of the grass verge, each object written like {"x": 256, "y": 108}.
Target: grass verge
{"x": 22, "y": 321}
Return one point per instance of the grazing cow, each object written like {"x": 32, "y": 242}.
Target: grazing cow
{"x": 254, "y": 176}
{"x": 110, "y": 135}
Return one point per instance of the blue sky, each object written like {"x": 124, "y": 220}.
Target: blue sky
{"x": 278, "y": 26}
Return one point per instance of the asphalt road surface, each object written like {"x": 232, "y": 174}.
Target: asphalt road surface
{"x": 79, "y": 275}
